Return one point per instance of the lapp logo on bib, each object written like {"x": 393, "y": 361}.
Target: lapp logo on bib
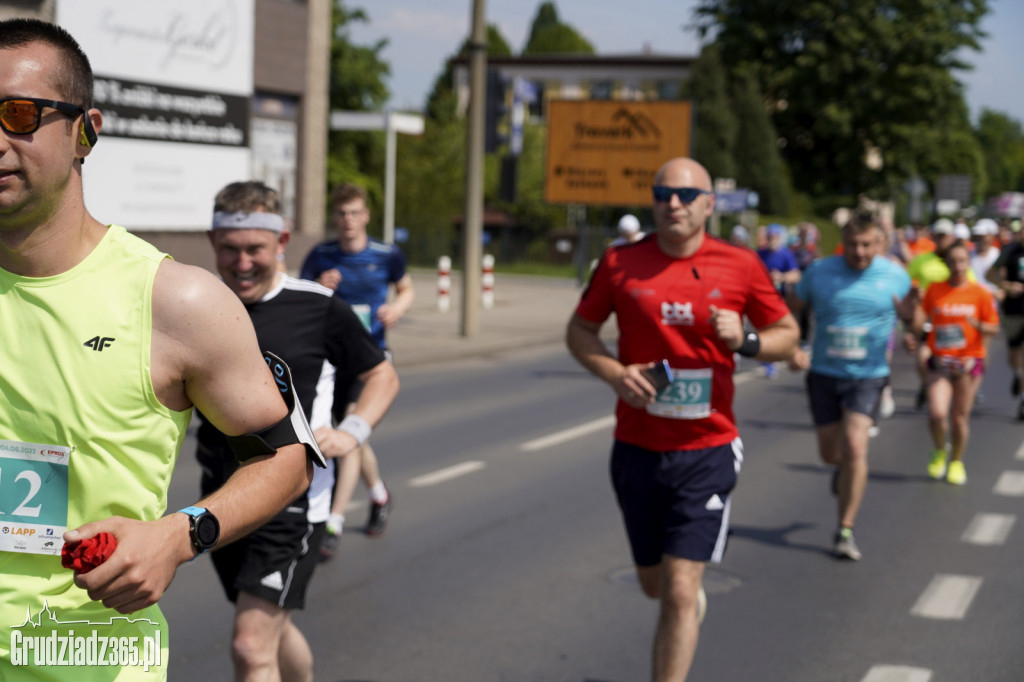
{"x": 677, "y": 314}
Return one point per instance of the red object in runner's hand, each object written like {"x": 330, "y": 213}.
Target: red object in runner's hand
{"x": 87, "y": 554}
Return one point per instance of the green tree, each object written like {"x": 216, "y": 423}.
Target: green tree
{"x": 716, "y": 127}
{"x": 356, "y": 84}
{"x": 548, "y": 35}
{"x": 441, "y": 102}
{"x": 547, "y": 15}
{"x": 846, "y": 77}
{"x": 758, "y": 164}
{"x": 1002, "y": 144}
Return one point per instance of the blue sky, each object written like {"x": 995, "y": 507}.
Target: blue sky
{"x": 423, "y": 35}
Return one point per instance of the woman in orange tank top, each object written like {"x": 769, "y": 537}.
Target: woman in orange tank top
{"x": 963, "y": 316}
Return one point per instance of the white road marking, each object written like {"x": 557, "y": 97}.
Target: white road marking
{"x": 897, "y": 673}
{"x": 568, "y": 434}
{"x": 989, "y": 529}
{"x": 947, "y": 597}
{"x": 1020, "y": 452}
{"x": 446, "y": 474}
{"x": 1011, "y": 483}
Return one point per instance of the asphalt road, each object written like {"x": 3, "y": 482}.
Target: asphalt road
{"x": 505, "y": 558}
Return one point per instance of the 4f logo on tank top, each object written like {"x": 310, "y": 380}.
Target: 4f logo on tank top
{"x": 677, "y": 314}
{"x": 98, "y": 343}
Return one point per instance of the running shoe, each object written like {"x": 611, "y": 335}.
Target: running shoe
{"x": 937, "y": 465}
{"x": 846, "y": 546}
{"x": 1015, "y": 386}
{"x": 379, "y": 514}
{"x": 769, "y": 370}
{"x": 702, "y": 605}
{"x": 329, "y": 545}
{"x": 956, "y": 474}
{"x": 873, "y": 432}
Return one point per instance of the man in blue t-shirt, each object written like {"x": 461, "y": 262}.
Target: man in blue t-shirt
{"x": 855, "y": 299}
{"x": 361, "y": 271}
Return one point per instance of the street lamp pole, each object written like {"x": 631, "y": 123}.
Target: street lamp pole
{"x": 472, "y": 225}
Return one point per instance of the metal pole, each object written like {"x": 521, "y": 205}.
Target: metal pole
{"x": 389, "y": 179}
{"x": 473, "y": 222}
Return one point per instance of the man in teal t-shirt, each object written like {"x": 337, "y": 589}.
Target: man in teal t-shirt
{"x": 854, "y": 299}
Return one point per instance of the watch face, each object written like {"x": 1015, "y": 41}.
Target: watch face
{"x": 207, "y": 530}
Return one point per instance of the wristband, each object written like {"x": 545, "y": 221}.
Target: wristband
{"x": 356, "y": 426}
{"x": 751, "y": 345}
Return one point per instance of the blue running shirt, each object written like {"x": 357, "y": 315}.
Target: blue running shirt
{"x": 854, "y": 315}
{"x": 365, "y": 277}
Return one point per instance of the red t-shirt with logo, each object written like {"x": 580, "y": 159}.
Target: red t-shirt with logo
{"x": 661, "y": 306}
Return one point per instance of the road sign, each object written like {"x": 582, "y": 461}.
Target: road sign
{"x": 606, "y": 152}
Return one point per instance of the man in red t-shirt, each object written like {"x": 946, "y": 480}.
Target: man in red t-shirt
{"x": 678, "y": 295}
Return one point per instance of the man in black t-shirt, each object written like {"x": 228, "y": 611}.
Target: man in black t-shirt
{"x": 323, "y": 342}
{"x": 1008, "y": 275}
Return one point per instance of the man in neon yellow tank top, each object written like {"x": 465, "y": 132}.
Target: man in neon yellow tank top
{"x": 107, "y": 345}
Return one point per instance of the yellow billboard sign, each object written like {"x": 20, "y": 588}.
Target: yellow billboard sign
{"x": 605, "y": 152}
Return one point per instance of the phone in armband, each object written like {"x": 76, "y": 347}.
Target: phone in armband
{"x": 660, "y": 376}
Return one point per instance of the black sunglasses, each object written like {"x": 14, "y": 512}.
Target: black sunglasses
{"x": 22, "y": 115}
{"x": 686, "y": 194}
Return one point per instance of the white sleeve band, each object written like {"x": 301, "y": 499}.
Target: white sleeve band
{"x": 355, "y": 426}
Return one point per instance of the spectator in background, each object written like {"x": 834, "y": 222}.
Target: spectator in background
{"x": 629, "y": 230}
{"x": 1008, "y": 275}
{"x": 918, "y": 240}
{"x": 805, "y": 248}
{"x": 986, "y": 253}
{"x": 739, "y": 236}
{"x": 782, "y": 267}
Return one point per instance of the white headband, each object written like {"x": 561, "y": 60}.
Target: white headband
{"x": 248, "y": 221}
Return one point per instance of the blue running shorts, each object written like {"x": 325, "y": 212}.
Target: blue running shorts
{"x": 675, "y": 502}
{"x": 829, "y": 396}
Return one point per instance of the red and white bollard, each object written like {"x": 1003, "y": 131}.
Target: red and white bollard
{"x": 487, "y": 282}
{"x": 444, "y": 283}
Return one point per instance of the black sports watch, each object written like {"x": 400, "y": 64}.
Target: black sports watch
{"x": 203, "y": 528}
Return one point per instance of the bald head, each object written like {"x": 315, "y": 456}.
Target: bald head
{"x": 683, "y": 172}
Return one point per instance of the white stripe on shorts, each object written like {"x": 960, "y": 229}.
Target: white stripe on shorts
{"x": 723, "y": 532}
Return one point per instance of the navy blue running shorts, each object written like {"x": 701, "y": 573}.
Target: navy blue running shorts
{"x": 829, "y": 396}
{"x": 675, "y": 502}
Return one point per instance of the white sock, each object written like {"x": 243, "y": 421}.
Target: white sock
{"x": 378, "y": 493}
{"x": 335, "y": 523}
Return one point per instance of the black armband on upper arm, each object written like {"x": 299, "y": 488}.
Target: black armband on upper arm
{"x": 292, "y": 429}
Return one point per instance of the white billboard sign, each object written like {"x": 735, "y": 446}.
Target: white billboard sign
{"x": 174, "y": 83}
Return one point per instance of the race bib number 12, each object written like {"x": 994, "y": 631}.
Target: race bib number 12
{"x": 33, "y": 497}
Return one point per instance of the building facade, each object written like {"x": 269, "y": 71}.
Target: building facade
{"x": 174, "y": 135}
